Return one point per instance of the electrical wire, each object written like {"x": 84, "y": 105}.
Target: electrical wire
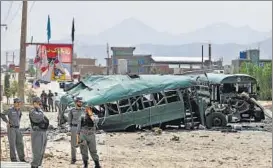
{"x": 33, "y": 3}
{"x": 14, "y": 16}
{"x": 10, "y": 6}
{"x": 29, "y": 28}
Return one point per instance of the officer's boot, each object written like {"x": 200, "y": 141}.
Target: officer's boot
{"x": 85, "y": 164}
{"x": 73, "y": 161}
{"x": 23, "y": 160}
{"x": 97, "y": 164}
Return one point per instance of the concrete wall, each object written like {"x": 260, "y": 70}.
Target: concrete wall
{"x": 139, "y": 64}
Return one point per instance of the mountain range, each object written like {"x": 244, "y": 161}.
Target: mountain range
{"x": 227, "y": 41}
{"x": 132, "y": 31}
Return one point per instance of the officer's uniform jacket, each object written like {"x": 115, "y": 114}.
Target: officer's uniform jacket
{"x": 14, "y": 117}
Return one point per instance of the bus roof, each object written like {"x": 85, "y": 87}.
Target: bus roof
{"x": 97, "y": 90}
{"x": 228, "y": 78}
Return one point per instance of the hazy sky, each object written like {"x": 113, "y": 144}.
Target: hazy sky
{"x": 94, "y": 17}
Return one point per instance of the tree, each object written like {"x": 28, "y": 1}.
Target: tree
{"x": 30, "y": 94}
{"x": 263, "y": 76}
{"x": 7, "y": 89}
{"x": 155, "y": 70}
{"x": 31, "y": 71}
{"x": 14, "y": 88}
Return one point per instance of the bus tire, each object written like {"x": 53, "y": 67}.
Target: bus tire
{"x": 258, "y": 116}
{"x": 216, "y": 119}
{"x": 131, "y": 128}
{"x": 163, "y": 126}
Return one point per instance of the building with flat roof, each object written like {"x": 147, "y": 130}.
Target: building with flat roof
{"x": 248, "y": 56}
{"x": 182, "y": 64}
{"x": 147, "y": 64}
{"x": 136, "y": 63}
{"x": 87, "y": 66}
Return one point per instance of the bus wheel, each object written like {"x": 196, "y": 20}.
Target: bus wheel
{"x": 258, "y": 116}
{"x": 163, "y": 126}
{"x": 216, "y": 119}
{"x": 131, "y": 128}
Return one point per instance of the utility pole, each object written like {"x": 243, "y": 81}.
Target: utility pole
{"x": 210, "y": 61}
{"x": 202, "y": 66}
{"x": 7, "y": 55}
{"x": 13, "y": 56}
{"x": 108, "y": 65}
{"x": 22, "y": 68}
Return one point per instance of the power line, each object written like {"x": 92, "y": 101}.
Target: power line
{"x": 14, "y": 16}
{"x": 33, "y": 3}
{"x": 29, "y": 27}
{"x": 8, "y": 11}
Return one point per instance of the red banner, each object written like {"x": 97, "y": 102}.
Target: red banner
{"x": 53, "y": 50}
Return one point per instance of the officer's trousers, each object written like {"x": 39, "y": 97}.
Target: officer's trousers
{"x": 50, "y": 105}
{"x": 38, "y": 144}
{"x": 73, "y": 142}
{"x": 16, "y": 142}
{"x": 57, "y": 106}
{"x": 90, "y": 144}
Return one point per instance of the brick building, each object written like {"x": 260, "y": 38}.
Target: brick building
{"x": 87, "y": 66}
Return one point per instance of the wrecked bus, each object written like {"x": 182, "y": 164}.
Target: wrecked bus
{"x": 234, "y": 95}
{"x": 130, "y": 102}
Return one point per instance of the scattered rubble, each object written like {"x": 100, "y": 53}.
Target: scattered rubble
{"x": 60, "y": 137}
{"x": 157, "y": 131}
{"x": 101, "y": 142}
{"x": 150, "y": 144}
{"x": 175, "y": 138}
{"x": 48, "y": 155}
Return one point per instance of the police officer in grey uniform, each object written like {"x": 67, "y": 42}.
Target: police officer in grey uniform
{"x": 14, "y": 134}
{"x": 74, "y": 117}
{"x": 39, "y": 124}
{"x": 86, "y": 131}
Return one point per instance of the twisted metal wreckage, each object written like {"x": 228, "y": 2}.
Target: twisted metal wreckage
{"x": 131, "y": 102}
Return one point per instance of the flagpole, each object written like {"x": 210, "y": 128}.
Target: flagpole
{"x": 72, "y": 60}
{"x": 72, "y": 39}
{"x": 36, "y": 73}
{"x": 48, "y": 29}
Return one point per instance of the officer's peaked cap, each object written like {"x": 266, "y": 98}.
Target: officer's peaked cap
{"x": 17, "y": 100}
{"x": 78, "y": 99}
{"x": 36, "y": 99}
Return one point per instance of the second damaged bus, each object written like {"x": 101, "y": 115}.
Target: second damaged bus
{"x": 128, "y": 102}
{"x": 234, "y": 94}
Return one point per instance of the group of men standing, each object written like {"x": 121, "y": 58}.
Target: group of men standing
{"x": 50, "y": 101}
{"x": 83, "y": 132}
{"x": 39, "y": 125}
{"x": 82, "y": 125}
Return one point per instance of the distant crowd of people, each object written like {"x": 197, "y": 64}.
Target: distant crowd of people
{"x": 50, "y": 101}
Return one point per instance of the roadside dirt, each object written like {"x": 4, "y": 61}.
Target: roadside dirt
{"x": 172, "y": 149}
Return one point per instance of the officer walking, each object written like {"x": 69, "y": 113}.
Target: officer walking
{"x": 86, "y": 131}
{"x": 14, "y": 134}
{"x": 39, "y": 124}
{"x": 74, "y": 117}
